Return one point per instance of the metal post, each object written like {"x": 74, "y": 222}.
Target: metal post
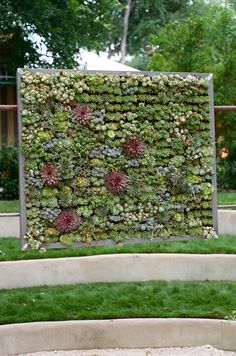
{"x": 225, "y": 108}
{"x": 8, "y": 107}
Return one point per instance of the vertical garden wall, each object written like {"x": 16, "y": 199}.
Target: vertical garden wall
{"x": 109, "y": 158}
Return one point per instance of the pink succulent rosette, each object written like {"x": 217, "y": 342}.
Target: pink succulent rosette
{"x": 116, "y": 182}
{"x": 134, "y": 146}
{"x": 67, "y": 221}
{"x": 81, "y": 113}
{"x": 50, "y": 174}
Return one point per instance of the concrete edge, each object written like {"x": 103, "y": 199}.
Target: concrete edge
{"x": 116, "y": 333}
{"x": 117, "y": 268}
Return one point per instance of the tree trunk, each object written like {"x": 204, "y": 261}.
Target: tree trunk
{"x": 125, "y": 32}
{"x": 111, "y": 51}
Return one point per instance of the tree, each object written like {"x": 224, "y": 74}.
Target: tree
{"x": 137, "y": 19}
{"x": 205, "y": 41}
{"x": 125, "y": 31}
{"x": 64, "y": 26}
{"x": 139, "y": 62}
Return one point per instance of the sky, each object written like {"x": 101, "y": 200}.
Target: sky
{"x": 92, "y": 61}
{"x": 87, "y": 60}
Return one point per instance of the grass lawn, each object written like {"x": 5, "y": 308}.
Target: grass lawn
{"x": 9, "y": 206}
{"x": 119, "y": 300}
{"x": 226, "y": 198}
{"x": 10, "y": 248}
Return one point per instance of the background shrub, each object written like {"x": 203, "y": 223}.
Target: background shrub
{"x": 9, "y": 173}
{"x": 226, "y": 173}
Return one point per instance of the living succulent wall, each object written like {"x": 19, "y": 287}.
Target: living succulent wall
{"x": 115, "y": 157}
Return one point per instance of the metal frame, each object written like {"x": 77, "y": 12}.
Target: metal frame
{"x": 212, "y": 130}
{"x": 136, "y": 240}
{"x": 23, "y": 220}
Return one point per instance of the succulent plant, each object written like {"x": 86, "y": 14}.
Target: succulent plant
{"x": 116, "y": 182}
{"x": 177, "y": 182}
{"x": 134, "y": 146}
{"x": 99, "y": 172}
{"x": 81, "y": 114}
{"x": 49, "y": 213}
{"x": 67, "y": 167}
{"x": 51, "y": 231}
{"x": 50, "y": 174}
{"x": 49, "y": 192}
{"x": 67, "y": 239}
{"x": 112, "y": 152}
{"x": 67, "y": 221}
{"x": 82, "y": 182}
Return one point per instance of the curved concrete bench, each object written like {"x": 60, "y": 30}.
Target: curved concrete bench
{"x": 117, "y": 268}
{"x": 10, "y": 223}
{"x": 123, "y": 333}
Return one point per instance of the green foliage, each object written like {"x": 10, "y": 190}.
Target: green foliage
{"x": 205, "y": 41}
{"x": 8, "y": 173}
{"x": 64, "y": 27}
{"x": 226, "y": 173}
{"x": 109, "y": 175}
{"x": 226, "y": 133}
{"x": 139, "y": 62}
{"x": 146, "y": 16}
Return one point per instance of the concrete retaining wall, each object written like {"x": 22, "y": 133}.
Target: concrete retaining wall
{"x": 227, "y": 222}
{"x": 124, "y": 333}
{"x": 117, "y": 268}
{"x": 10, "y": 223}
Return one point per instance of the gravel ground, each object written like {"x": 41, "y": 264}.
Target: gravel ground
{"x": 206, "y": 350}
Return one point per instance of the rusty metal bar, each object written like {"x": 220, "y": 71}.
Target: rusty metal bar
{"x": 8, "y": 107}
{"x": 225, "y": 108}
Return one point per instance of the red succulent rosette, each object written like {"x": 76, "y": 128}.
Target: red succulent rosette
{"x": 116, "y": 182}
{"x": 50, "y": 174}
{"x": 133, "y": 146}
{"x": 67, "y": 221}
{"x": 81, "y": 113}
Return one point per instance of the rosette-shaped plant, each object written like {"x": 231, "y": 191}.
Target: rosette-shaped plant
{"x": 67, "y": 221}
{"x": 50, "y": 174}
{"x": 81, "y": 113}
{"x": 177, "y": 182}
{"x": 134, "y": 146}
{"x": 116, "y": 182}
